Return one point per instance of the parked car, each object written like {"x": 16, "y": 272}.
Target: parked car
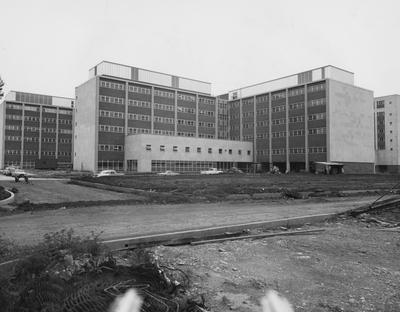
{"x": 211, "y": 171}
{"x": 234, "y": 170}
{"x": 106, "y": 173}
{"x": 168, "y": 173}
{"x": 9, "y": 170}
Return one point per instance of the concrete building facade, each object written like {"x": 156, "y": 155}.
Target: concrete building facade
{"x": 119, "y": 101}
{"x": 387, "y": 126}
{"x": 314, "y": 116}
{"x": 35, "y": 127}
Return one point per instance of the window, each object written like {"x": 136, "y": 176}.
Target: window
{"x": 175, "y": 148}
{"x": 380, "y": 104}
{"x": 230, "y": 152}
{"x": 209, "y": 150}
{"x": 240, "y": 152}
{"x": 148, "y": 147}
{"x": 248, "y": 152}
{"x": 187, "y": 149}
{"x": 220, "y": 151}
{"x": 162, "y": 148}
{"x": 199, "y": 150}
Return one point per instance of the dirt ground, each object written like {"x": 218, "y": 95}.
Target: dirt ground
{"x": 211, "y": 188}
{"x": 351, "y": 266}
{"x": 58, "y": 191}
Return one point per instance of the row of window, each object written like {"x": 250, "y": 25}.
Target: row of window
{"x": 137, "y": 103}
{"x": 163, "y": 132}
{"x": 112, "y": 85}
{"x": 294, "y": 92}
{"x": 279, "y": 95}
{"x": 111, "y": 114}
{"x": 299, "y": 105}
{"x": 263, "y": 111}
{"x": 317, "y": 116}
{"x": 248, "y": 114}
{"x": 166, "y": 120}
{"x": 279, "y": 134}
{"x": 317, "y": 102}
{"x": 13, "y": 117}
{"x": 186, "y": 134}
{"x": 206, "y": 113}
{"x": 166, "y": 94}
{"x": 248, "y": 125}
{"x": 316, "y": 87}
{"x": 138, "y": 130}
{"x": 111, "y": 99}
{"x": 299, "y": 150}
{"x": 280, "y": 121}
{"x": 46, "y": 130}
{"x": 186, "y": 122}
{"x": 175, "y": 148}
{"x": 164, "y": 107}
{"x": 317, "y": 130}
{"x": 187, "y": 110}
{"x": 185, "y": 97}
{"x": 14, "y": 106}
{"x": 207, "y": 101}
{"x": 280, "y": 108}
{"x": 206, "y": 136}
{"x": 35, "y": 152}
{"x": 262, "y": 152}
{"x": 111, "y": 148}
{"x": 37, "y": 119}
{"x": 139, "y": 117}
{"x": 107, "y": 128}
{"x": 140, "y": 90}
{"x": 206, "y": 124}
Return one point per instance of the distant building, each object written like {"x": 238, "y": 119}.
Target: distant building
{"x": 132, "y": 119}
{"x": 34, "y": 127}
{"x": 317, "y": 115}
{"x": 387, "y": 130}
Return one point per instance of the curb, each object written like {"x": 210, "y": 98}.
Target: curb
{"x": 8, "y": 200}
{"x": 182, "y": 237}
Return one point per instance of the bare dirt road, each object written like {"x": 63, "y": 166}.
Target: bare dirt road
{"x": 58, "y": 191}
{"x": 119, "y": 221}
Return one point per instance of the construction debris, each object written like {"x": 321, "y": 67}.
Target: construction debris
{"x": 255, "y": 236}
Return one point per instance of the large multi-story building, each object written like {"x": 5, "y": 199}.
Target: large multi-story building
{"x": 314, "y": 116}
{"x": 387, "y": 130}
{"x": 132, "y": 119}
{"x": 35, "y": 127}
{"x": 119, "y": 102}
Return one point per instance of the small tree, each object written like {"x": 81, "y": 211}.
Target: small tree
{"x": 1, "y": 88}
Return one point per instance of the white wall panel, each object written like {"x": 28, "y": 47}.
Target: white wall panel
{"x": 156, "y": 78}
{"x": 91, "y": 73}
{"x": 339, "y": 75}
{"x": 194, "y": 85}
{"x": 317, "y": 74}
{"x": 64, "y": 102}
{"x": 115, "y": 70}
{"x": 350, "y": 122}
{"x": 10, "y": 96}
{"x": 268, "y": 86}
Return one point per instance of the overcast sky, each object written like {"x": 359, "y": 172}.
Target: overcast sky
{"x": 48, "y": 46}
